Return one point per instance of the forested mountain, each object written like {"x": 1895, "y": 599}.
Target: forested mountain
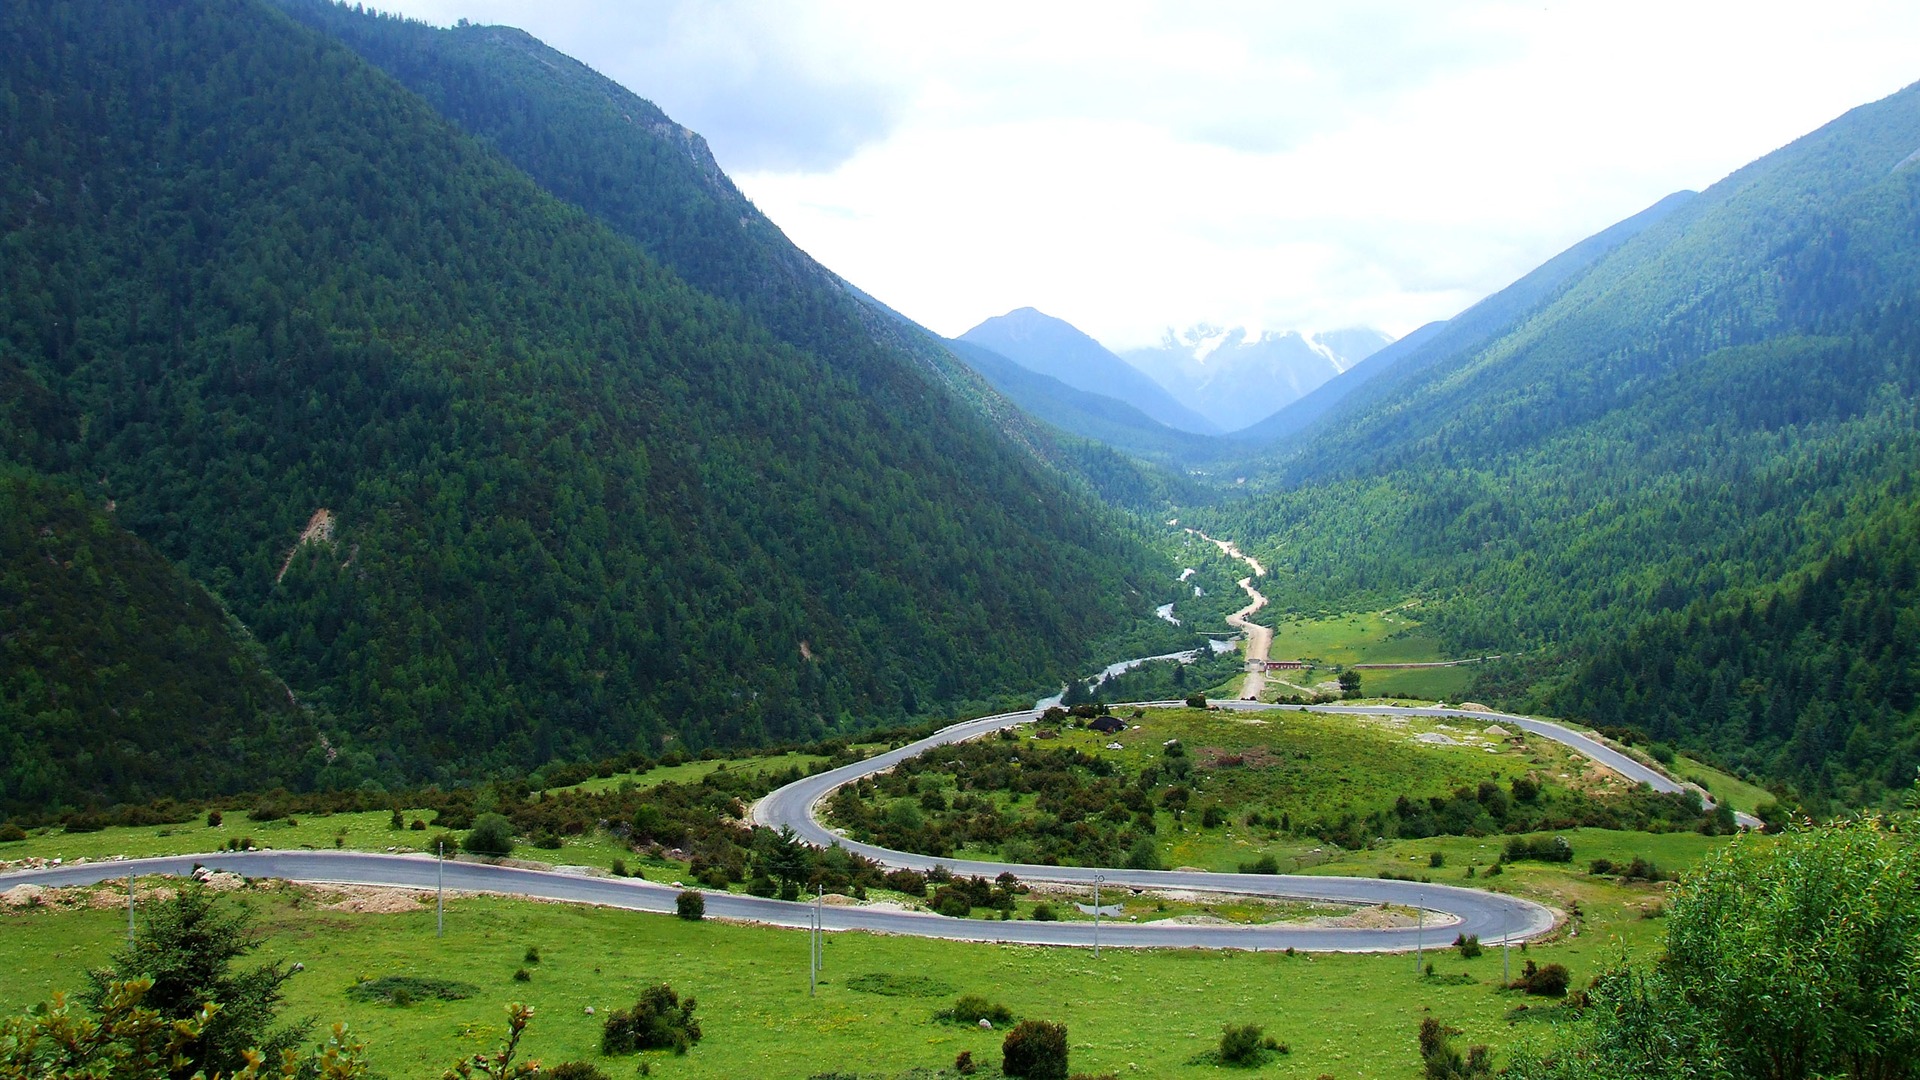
{"x": 572, "y": 500}
{"x": 1056, "y": 348}
{"x": 1095, "y": 416}
{"x": 106, "y": 648}
{"x": 1472, "y": 329}
{"x": 1643, "y": 479}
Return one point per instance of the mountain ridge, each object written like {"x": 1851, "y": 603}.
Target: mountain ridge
{"x": 1058, "y": 349}
{"x": 581, "y": 505}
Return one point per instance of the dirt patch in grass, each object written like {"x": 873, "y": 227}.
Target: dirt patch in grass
{"x": 368, "y": 900}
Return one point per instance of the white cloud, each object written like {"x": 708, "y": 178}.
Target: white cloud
{"x": 1135, "y": 166}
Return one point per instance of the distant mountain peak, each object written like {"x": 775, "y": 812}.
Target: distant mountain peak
{"x": 1235, "y": 376}
{"x": 1054, "y": 347}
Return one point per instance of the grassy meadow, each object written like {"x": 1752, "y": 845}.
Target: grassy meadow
{"x": 1133, "y": 1012}
{"x": 1311, "y": 766}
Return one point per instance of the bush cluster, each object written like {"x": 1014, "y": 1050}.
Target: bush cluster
{"x": 1548, "y": 981}
{"x": 1553, "y": 849}
{"x": 659, "y": 1020}
{"x": 1035, "y": 1050}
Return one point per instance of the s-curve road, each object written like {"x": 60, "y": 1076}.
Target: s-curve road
{"x": 1460, "y": 911}
{"x": 1490, "y": 915}
{"x": 1455, "y": 910}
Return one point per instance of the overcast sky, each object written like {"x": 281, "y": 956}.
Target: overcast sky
{"x": 1135, "y": 167}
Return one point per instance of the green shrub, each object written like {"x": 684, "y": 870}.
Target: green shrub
{"x": 1468, "y": 944}
{"x": 1143, "y": 855}
{"x": 532, "y": 955}
{"x": 1553, "y": 849}
{"x": 973, "y": 1008}
{"x": 1440, "y": 1061}
{"x": 11, "y": 833}
{"x": 1035, "y": 1050}
{"x": 1265, "y": 864}
{"x": 659, "y": 1020}
{"x": 574, "y": 1070}
{"x": 1548, "y": 981}
{"x": 619, "y": 868}
{"x": 491, "y": 834}
{"x": 1240, "y": 1044}
{"x": 1043, "y": 912}
{"x": 1437, "y": 859}
{"x": 522, "y": 975}
{"x": 691, "y": 905}
{"x": 1196, "y": 701}
{"x": 213, "y": 819}
{"x": 405, "y": 989}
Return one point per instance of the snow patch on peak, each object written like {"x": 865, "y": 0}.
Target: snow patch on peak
{"x": 1320, "y": 348}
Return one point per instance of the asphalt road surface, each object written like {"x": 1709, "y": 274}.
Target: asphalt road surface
{"x": 1481, "y": 913}
{"x": 1450, "y": 910}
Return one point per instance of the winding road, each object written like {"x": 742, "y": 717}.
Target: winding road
{"x": 1455, "y": 910}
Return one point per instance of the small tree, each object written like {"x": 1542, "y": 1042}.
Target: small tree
{"x": 500, "y": 1065}
{"x": 1440, "y": 1061}
{"x": 1350, "y": 681}
{"x": 1240, "y": 1044}
{"x": 691, "y": 905}
{"x": 186, "y": 953}
{"x": 126, "y": 1040}
{"x": 1035, "y": 1050}
{"x": 658, "y": 1021}
{"x": 1468, "y": 944}
{"x": 492, "y": 834}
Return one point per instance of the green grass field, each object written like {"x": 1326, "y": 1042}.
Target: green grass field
{"x": 1393, "y": 636}
{"x": 693, "y": 771}
{"x": 1732, "y": 790}
{"x": 1145, "y": 1013}
{"x": 1310, "y": 766}
{"x": 354, "y": 832}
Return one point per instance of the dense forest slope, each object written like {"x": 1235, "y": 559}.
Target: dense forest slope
{"x": 573, "y": 501}
{"x": 1472, "y": 329}
{"x": 106, "y": 648}
{"x": 1107, "y": 420}
{"x": 1707, "y": 420}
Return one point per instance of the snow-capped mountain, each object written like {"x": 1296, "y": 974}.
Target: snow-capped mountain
{"x": 1234, "y": 378}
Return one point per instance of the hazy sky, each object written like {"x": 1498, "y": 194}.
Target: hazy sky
{"x": 1134, "y": 167}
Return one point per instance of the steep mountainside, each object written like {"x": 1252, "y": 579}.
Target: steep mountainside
{"x": 106, "y": 648}
{"x": 1235, "y": 379}
{"x": 575, "y": 502}
{"x": 1471, "y": 329}
{"x": 1056, "y": 348}
{"x": 1715, "y": 409}
{"x": 1095, "y": 416}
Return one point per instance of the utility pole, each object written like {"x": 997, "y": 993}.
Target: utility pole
{"x": 129, "y": 907}
{"x": 813, "y": 950}
{"x": 1097, "y": 879}
{"x": 1506, "y": 962}
{"x": 440, "y": 891}
{"x": 1420, "y": 934}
